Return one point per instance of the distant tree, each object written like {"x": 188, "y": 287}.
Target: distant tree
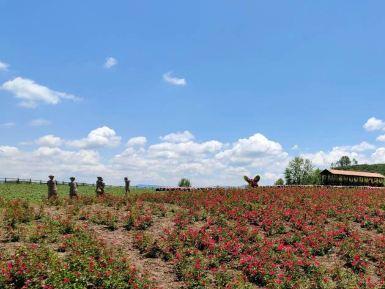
{"x": 300, "y": 171}
{"x": 279, "y": 182}
{"x": 355, "y": 162}
{"x": 314, "y": 177}
{"x": 344, "y": 161}
{"x": 184, "y": 183}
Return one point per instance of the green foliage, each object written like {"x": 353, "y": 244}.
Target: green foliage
{"x": 344, "y": 161}
{"x": 53, "y": 251}
{"x": 300, "y": 171}
{"x": 184, "y": 183}
{"x": 86, "y": 264}
{"x": 17, "y": 211}
{"x": 374, "y": 168}
{"x": 35, "y": 193}
{"x": 279, "y": 182}
{"x": 315, "y": 177}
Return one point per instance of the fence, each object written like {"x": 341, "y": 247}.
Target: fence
{"x": 163, "y": 189}
{"x": 41, "y": 182}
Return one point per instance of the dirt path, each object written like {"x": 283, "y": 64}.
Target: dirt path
{"x": 121, "y": 240}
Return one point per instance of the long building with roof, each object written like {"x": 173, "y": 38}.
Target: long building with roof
{"x": 333, "y": 177}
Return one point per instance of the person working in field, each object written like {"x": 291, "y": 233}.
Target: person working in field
{"x": 100, "y": 187}
{"x": 52, "y": 187}
{"x": 73, "y": 188}
{"x": 126, "y": 186}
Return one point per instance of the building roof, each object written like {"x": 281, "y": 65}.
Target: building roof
{"x": 353, "y": 173}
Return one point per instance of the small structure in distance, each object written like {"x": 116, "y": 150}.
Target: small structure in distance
{"x": 332, "y": 177}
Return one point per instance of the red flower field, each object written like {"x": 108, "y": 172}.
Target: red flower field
{"x": 288, "y": 237}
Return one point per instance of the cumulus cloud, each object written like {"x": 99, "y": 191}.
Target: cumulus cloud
{"x": 136, "y": 141}
{"x": 324, "y": 159}
{"x": 360, "y": 152}
{"x": 39, "y": 122}
{"x": 6, "y": 151}
{"x": 173, "y": 80}
{"x": 39, "y": 163}
{"x": 205, "y": 163}
{"x": 49, "y": 141}
{"x": 176, "y": 155}
{"x": 255, "y": 151}
{"x": 31, "y": 94}
{"x": 379, "y": 155}
{"x": 363, "y": 146}
{"x": 100, "y": 137}
{"x": 176, "y": 137}
{"x": 3, "y": 66}
{"x": 381, "y": 138}
{"x": 373, "y": 124}
{"x": 110, "y": 62}
{"x": 167, "y": 150}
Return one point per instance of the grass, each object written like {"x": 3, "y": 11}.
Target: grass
{"x": 36, "y": 193}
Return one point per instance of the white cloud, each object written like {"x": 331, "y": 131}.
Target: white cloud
{"x": 176, "y": 155}
{"x": 137, "y": 141}
{"x": 7, "y": 124}
{"x": 31, "y": 94}
{"x": 271, "y": 177}
{"x": 3, "y": 66}
{"x": 295, "y": 147}
{"x": 323, "y": 159}
{"x": 173, "y": 80}
{"x": 368, "y": 156}
{"x": 381, "y": 138}
{"x": 176, "y": 137}
{"x": 255, "y": 155}
{"x": 39, "y": 122}
{"x": 205, "y": 163}
{"x": 379, "y": 155}
{"x": 110, "y": 62}
{"x": 253, "y": 151}
{"x": 363, "y": 146}
{"x": 49, "y": 141}
{"x": 100, "y": 137}
{"x": 373, "y": 124}
{"x": 39, "y": 163}
{"x": 168, "y": 150}
{"x": 6, "y": 151}
{"x": 359, "y": 152}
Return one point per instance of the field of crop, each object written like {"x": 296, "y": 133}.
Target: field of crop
{"x": 261, "y": 238}
{"x": 38, "y": 192}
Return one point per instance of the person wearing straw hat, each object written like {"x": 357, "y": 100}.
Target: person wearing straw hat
{"x": 52, "y": 187}
{"x": 73, "y": 188}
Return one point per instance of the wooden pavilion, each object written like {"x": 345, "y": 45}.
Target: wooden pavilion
{"x": 351, "y": 178}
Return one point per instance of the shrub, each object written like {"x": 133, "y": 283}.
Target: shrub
{"x": 184, "y": 183}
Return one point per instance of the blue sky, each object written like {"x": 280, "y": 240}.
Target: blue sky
{"x": 299, "y": 73}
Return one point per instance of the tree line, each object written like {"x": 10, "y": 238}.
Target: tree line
{"x": 301, "y": 171}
